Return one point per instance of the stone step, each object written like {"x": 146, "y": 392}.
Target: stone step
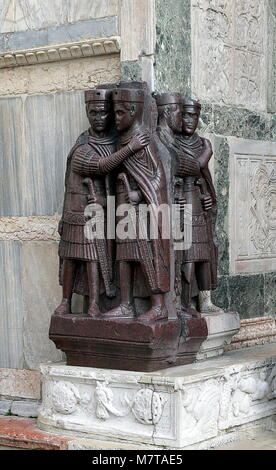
{"x": 23, "y": 433}
{"x": 263, "y": 441}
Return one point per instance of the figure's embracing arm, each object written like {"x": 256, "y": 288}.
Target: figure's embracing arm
{"x": 87, "y": 162}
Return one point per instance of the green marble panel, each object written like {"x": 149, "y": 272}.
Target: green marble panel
{"x": 173, "y": 46}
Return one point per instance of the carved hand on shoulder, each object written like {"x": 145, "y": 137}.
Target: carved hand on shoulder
{"x": 139, "y": 141}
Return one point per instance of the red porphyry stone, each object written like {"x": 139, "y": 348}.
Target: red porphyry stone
{"x": 23, "y": 433}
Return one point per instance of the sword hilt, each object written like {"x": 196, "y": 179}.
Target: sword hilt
{"x": 123, "y": 178}
{"x": 89, "y": 183}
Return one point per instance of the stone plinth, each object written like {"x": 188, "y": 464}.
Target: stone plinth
{"x": 221, "y": 328}
{"x": 254, "y": 332}
{"x": 198, "y": 405}
{"x": 125, "y": 344}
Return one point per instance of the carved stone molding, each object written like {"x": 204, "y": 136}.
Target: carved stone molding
{"x": 68, "y": 51}
{"x": 30, "y": 228}
{"x": 254, "y": 332}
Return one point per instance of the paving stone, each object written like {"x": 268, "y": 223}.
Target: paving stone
{"x": 5, "y": 406}
{"x": 264, "y": 441}
{"x": 28, "y": 409}
{"x": 23, "y": 433}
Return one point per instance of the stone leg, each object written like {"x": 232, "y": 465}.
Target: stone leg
{"x": 94, "y": 288}
{"x": 70, "y": 268}
{"x": 126, "y": 307}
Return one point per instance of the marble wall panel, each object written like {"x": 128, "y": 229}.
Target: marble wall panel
{"x": 252, "y": 218}
{"x": 11, "y": 350}
{"x": 246, "y": 295}
{"x": 67, "y": 33}
{"x": 39, "y": 156}
{"x": 84, "y": 9}
{"x": 23, "y": 15}
{"x": 137, "y": 28}
{"x": 11, "y": 306}
{"x": 30, "y": 14}
{"x": 229, "y": 54}
{"x": 37, "y": 133}
{"x": 56, "y": 120}
{"x": 270, "y": 293}
{"x": 41, "y": 295}
{"x": 70, "y": 120}
{"x": 172, "y": 61}
{"x": 11, "y": 144}
{"x": 271, "y": 48}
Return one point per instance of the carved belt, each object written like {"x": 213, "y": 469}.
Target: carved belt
{"x": 74, "y": 218}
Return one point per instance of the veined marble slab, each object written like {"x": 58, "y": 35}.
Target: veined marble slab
{"x": 26, "y": 15}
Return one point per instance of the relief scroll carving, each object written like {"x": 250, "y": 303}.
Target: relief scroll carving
{"x": 146, "y": 405}
{"x": 263, "y": 209}
{"x": 252, "y": 206}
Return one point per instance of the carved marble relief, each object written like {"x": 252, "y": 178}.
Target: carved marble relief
{"x": 198, "y": 417}
{"x": 104, "y": 402}
{"x": 228, "y": 44}
{"x": 252, "y": 221}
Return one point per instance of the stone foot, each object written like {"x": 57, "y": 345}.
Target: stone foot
{"x": 122, "y": 311}
{"x": 63, "y": 308}
{"x": 206, "y": 305}
{"x": 154, "y": 314}
{"x": 93, "y": 310}
{"x": 189, "y": 311}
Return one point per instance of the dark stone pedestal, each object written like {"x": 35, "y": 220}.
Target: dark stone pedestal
{"x": 126, "y": 344}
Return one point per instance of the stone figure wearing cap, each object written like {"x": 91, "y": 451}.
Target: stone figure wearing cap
{"x": 198, "y": 268}
{"x": 86, "y": 261}
{"x": 142, "y": 261}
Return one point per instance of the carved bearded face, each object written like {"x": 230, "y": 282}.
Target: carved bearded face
{"x": 99, "y": 115}
{"x": 174, "y": 118}
{"x": 190, "y": 119}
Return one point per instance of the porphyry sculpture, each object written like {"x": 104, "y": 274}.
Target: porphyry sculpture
{"x": 87, "y": 181}
{"x": 196, "y": 263}
{"x": 141, "y": 181}
{"x": 152, "y": 321}
{"x": 199, "y": 266}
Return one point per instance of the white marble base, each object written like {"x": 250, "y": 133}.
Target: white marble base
{"x": 182, "y": 407}
{"x": 221, "y": 328}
